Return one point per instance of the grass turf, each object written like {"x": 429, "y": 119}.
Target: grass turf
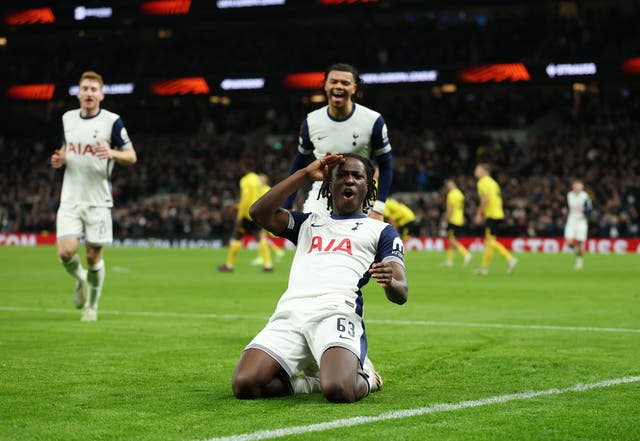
{"x": 157, "y": 365}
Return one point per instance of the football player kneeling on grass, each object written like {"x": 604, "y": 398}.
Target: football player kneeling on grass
{"x": 319, "y": 318}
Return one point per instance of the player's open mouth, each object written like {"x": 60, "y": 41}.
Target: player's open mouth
{"x": 337, "y": 96}
{"x": 348, "y": 194}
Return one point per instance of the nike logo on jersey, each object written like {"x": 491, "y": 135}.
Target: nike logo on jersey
{"x": 317, "y": 225}
{"x": 345, "y": 338}
{"x": 321, "y": 137}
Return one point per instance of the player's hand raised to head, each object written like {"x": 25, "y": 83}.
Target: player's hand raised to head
{"x": 318, "y": 169}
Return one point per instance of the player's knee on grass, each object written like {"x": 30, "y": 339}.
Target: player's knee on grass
{"x": 339, "y": 391}
{"x": 245, "y": 385}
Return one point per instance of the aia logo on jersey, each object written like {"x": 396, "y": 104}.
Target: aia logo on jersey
{"x": 80, "y": 150}
{"x": 333, "y": 246}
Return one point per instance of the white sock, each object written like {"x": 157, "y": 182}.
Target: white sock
{"x": 301, "y": 384}
{"x": 74, "y": 267}
{"x": 95, "y": 277}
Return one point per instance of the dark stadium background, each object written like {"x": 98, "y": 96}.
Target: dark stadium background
{"x": 538, "y": 126}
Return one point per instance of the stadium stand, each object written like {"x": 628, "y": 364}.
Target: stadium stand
{"x": 539, "y": 135}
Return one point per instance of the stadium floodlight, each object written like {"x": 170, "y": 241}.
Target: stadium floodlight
{"x": 29, "y": 17}
{"x": 494, "y": 73}
{"x": 82, "y": 12}
{"x": 417, "y": 76}
{"x": 242, "y": 83}
{"x": 227, "y": 4}
{"x": 166, "y": 7}
{"x": 180, "y": 86}
{"x": 31, "y": 91}
{"x": 109, "y": 89}
{"x": 631, "y": 66}
{"x": 570, "y": 69}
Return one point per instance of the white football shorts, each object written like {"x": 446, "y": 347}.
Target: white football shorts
{"x": 296, "y": 338}
{"x": 92, "y": 223}
{"x": 576, "y": 230}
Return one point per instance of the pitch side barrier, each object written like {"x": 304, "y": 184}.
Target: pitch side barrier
{"x": 550, "y": 245}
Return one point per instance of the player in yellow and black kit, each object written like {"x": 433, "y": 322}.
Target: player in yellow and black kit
{"x": 455, "y": 221}
{"x": 400, "y": 217}
{"x": 490, "y": 209}
{"x": 251, "y": 189}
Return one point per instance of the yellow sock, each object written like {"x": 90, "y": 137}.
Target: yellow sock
{"x": 450, "y": 253}
{"x": 503, "y": 251}
{"x": 489, "y": 248}
{"x": 263, "y": 250}
{"x": 462, "y": 250}
{"x": 234, "y": 247}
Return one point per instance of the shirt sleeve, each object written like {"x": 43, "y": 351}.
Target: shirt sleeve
{"x": 390, "y": 246}
{"x": 296, "y": 219}
{"x": 380, "y": 138}
{"x": 119, "y": 136}
{"x": 305, "y": 146}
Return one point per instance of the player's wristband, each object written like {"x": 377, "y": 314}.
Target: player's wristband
{"x": 378, "y": 207}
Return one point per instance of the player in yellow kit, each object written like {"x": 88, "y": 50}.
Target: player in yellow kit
{"x": 400, "y": 216}
{"x": 278, "y": 251}
{"x": 251, "y": 189}
{"x": 490, "y": 209}
{"x": 455, "y": 221}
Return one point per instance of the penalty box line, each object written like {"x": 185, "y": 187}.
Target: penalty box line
{"x": 368, "y": 321}
{"x": 407, "y": 413}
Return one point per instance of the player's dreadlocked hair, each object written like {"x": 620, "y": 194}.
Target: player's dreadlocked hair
{"x": 372, "y": 188}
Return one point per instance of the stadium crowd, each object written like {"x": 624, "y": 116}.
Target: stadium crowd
{"x": 379, "y": 38}
{"x": 185, "y": 185}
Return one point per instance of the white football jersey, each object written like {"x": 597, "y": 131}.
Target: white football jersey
{"x": 578, "y": 203}
{"x": 87, "y": 177}
{"x": 363, "y": 132}
{"x": 334, "y": 254}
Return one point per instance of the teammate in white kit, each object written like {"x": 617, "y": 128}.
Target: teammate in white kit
{"x": 319, "y": 318}
{"x": 93, "y": 140}
{"x": 343, "y": 126}
{"x": 575, "y": 231}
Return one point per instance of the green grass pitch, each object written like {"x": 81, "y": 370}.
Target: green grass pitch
{"x": 158, "y": 363}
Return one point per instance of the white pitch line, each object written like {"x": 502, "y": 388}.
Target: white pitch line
{"x": 504, "y": 325}
{"x": 373, "y": 321}
{"x": 407, "y": 413}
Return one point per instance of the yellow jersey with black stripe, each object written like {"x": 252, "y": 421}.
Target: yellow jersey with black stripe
{"x": 251, "y": 188}
{"x": 455, "y": 200}
{"x": 399, "y": 212}
{"x": 489, "y": 187}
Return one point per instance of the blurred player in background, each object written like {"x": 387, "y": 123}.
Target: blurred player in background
{"x": 320, "y": 316}
{"x": 400, "y": 217}
{"x": 454, "y": 216}
{"x": 490, "y": 211}
{"x": 251, "y": 188}
{"x": 343, "y": 126}
{"x": 93, "y": 140}
{"x": 575, "y": 231}
{"x": 278, "y": 251}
